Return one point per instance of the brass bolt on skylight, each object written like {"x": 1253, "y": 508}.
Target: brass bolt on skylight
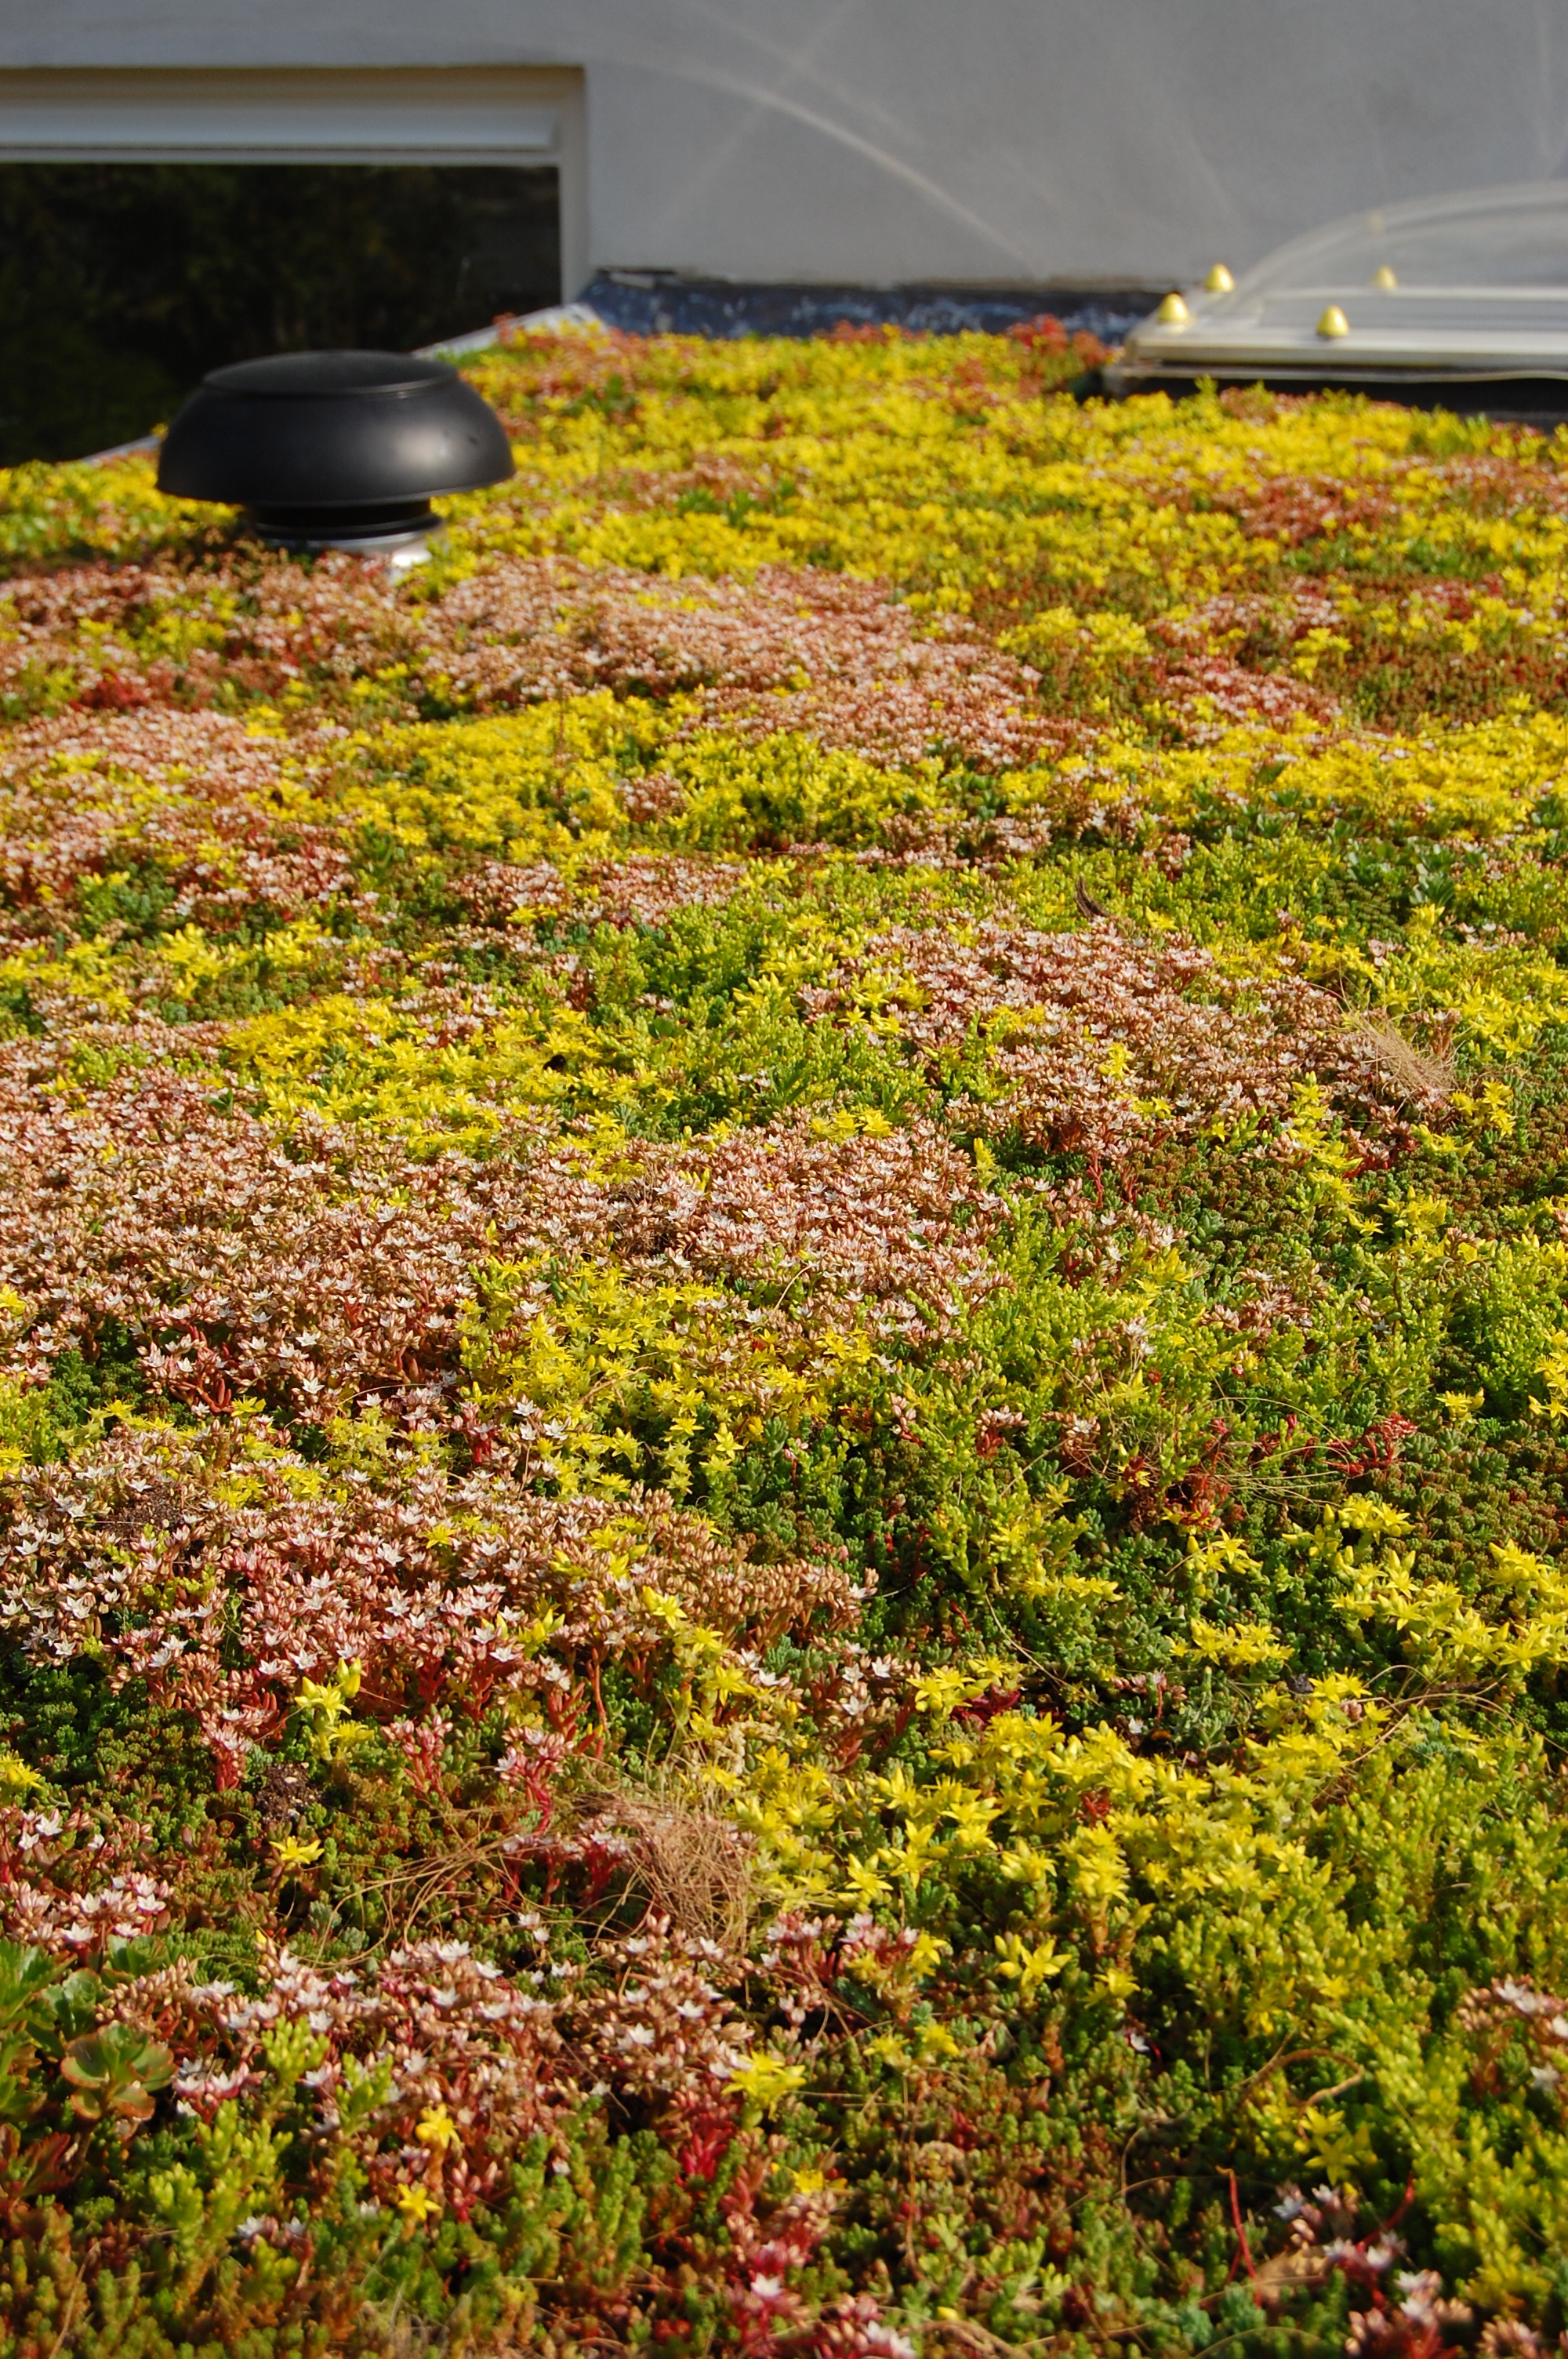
{"x": 1219, "y": 280}
{"x": 1384, "y": 277}
{"x": 1334, "y": 322}
{"x": 1172, "y": 312}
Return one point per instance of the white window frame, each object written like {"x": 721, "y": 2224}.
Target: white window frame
{"x": 485, "y": 114}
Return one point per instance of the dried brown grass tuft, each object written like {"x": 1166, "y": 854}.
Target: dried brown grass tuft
{"x": 1429, "y": 1073}
{"x": 686, "y": 1862}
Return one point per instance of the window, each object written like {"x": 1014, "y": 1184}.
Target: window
{"x": 153, "y": 226}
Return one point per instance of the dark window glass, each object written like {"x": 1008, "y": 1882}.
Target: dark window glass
{"x": 122, "y": 284}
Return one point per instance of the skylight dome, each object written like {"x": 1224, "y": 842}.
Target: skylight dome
{"x": 1458, "y": 299}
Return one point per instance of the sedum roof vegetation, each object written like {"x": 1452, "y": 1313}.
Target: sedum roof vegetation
{"x": 784, "y": 1298}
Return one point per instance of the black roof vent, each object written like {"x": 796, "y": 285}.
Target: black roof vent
{"x": 334, "y": 449}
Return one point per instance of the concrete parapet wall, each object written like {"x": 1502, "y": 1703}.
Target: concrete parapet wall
{"x": 1007, "y": 141}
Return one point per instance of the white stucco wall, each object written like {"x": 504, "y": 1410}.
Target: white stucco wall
{"x": 1087, "y": 141}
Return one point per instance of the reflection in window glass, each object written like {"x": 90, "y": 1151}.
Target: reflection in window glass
{"x": 122, "y": 284}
